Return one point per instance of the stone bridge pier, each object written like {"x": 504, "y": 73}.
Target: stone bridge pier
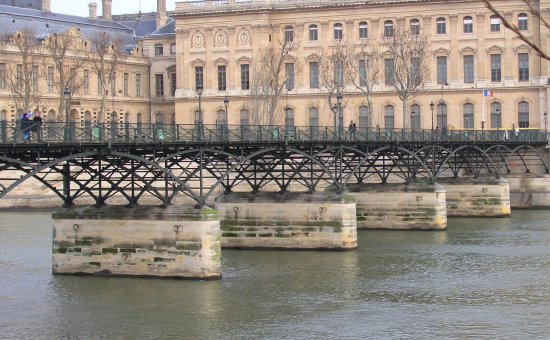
{"x": 270, "y": 220}
{"x": 477, "y": 197}
{"x": 417, "y": 206}
{"x": 529, "y": 191}
{"x": 145, "y": 241}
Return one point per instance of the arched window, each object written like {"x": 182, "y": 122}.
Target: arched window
{"x": 127, "y": 117}
{"x": 244, "y": 117}
{"x": 138, "y": 122}
{"x": 313, "y": 116}
{"x": 114, "y": 124}
{"x": 415, "y": 27}
{"x": 3, "y": 114}
{"x": 468, "y": 24}
{"x": 363, "y": 116}
{"x": 289, "y": 34}
{"x": 441, "y": 26}
{"x": 338, "y": 32}
{"x": 313, "y": 34}
{"x": 221, "y": 119}
{"x": 4, "y": 128}
{"x": 159, "y": 118}
{"x": 389, "y": 117}
{"x": 289, "y": 117}
{"x": 522, "y": 22}
{"x": 173, "y": 118}
{"x": 523, "y": 114}
{"x": 388, "y": 28}
{"x": 495, "y": 23}
{"x": 363, "y": 30}
{"x": 468, "y": 116}
{"x": 442, "y": 116}
{"x": 415, "y": 117}
{"x": 496, "y": 113}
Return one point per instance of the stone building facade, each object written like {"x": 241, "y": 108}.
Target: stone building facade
{"x": 470, "y": 50}
{"x": 130, "y": 94}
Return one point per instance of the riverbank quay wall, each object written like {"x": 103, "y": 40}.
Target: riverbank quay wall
{"x": 270, "y": 220}
{"x": 145, "y": 241}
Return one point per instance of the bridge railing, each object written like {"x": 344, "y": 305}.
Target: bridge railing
{"x": 61, "y": 132}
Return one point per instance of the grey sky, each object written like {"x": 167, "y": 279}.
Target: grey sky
{"x": 80, "y": 7}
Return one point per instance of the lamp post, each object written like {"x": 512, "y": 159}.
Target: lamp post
{"x": 339, "y": 99}
{"x": 67, "y": 97}
{"x": 199, "y": 123}
{"x": 334, "y": 109}
{"x": 226, "y": 104}
{"x": 432, "y": 106}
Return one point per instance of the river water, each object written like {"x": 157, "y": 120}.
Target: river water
{"x": 482, "y": 278}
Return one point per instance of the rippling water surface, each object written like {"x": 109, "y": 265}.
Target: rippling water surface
{"x": 482, "y": 278}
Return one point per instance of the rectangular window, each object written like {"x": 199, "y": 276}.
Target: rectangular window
{"x": 172, "y": 48}
{"x": 389, "y": 71}
{"x": 50, "y": 79}
{"x": 138, "y": 85}
{"x": 222, "y": 78}
{"x": 86, "y": 82}
{"x": 523, "y": 64}
{"x": 468, "y": 69}
{"x": 441, "y": 70}
{"x": 18, "y": 74}
{"x": 113, "y": 85}
{"x": 339, "y": 74}
{"x": 289, "y": 73}
{"x": 34, "y": 78}
{"x": 245, "y": 77}
{"x": 73, "y": 73}
{"x": 159, "y": 50}
{"x": 496, "y": 71}
{"x": 314, "y": 75}
{"x": 173, "y": 83}
{"x": 2, "y": 76}
{"x": 362, "y": 73}
{"x": 126, "y": 82}
{"x": 159, "y": 84}
{"x": 199, "y": 76}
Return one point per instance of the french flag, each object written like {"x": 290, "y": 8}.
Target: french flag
{"x": 488, "y": 93}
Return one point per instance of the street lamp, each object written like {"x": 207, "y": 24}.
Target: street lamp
{"x": 339, "y": 99}
{"x": 199, "y": 123}
{"x": 226, "y": 104}
{"x": 67, "y": 97}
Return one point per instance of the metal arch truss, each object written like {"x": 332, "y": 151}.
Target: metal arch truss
{"x": 128, "y": 173}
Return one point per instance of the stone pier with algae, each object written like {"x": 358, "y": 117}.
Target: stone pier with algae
{"x": 144, "y": 241}
{"x": 269, "y": 220}
{"x": 415, "y": 206}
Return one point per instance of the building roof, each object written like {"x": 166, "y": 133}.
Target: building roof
{"x": 33, "y": 4}
{"x": 168, "y": 29}
{"x": 13, "y": 19}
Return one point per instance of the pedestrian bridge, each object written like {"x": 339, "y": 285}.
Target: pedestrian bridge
{"x": 128, "y": 161}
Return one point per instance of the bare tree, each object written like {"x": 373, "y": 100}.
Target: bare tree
{"x": 335, "y": 71}
{"x": 364, "y": 73}
{"x": 408, "y": 54}
{"x": 533, "y": 7}
{"x": 22, "y": 69}
{"x": 269, "y": 78}
{"x": 68, "y": 57}
{"x": 106, "y": 52}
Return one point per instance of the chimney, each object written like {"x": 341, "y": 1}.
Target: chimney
{"x": 107, "y": 14}
{"x": 161, "y": 17}
{"x": 92, "y": 6}
{"x": 46, "y": 5}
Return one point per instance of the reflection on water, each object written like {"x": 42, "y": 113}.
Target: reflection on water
{"x": 480, "y": 278}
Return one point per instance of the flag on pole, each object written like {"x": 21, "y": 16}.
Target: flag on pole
{"x": 488, "y": 93}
